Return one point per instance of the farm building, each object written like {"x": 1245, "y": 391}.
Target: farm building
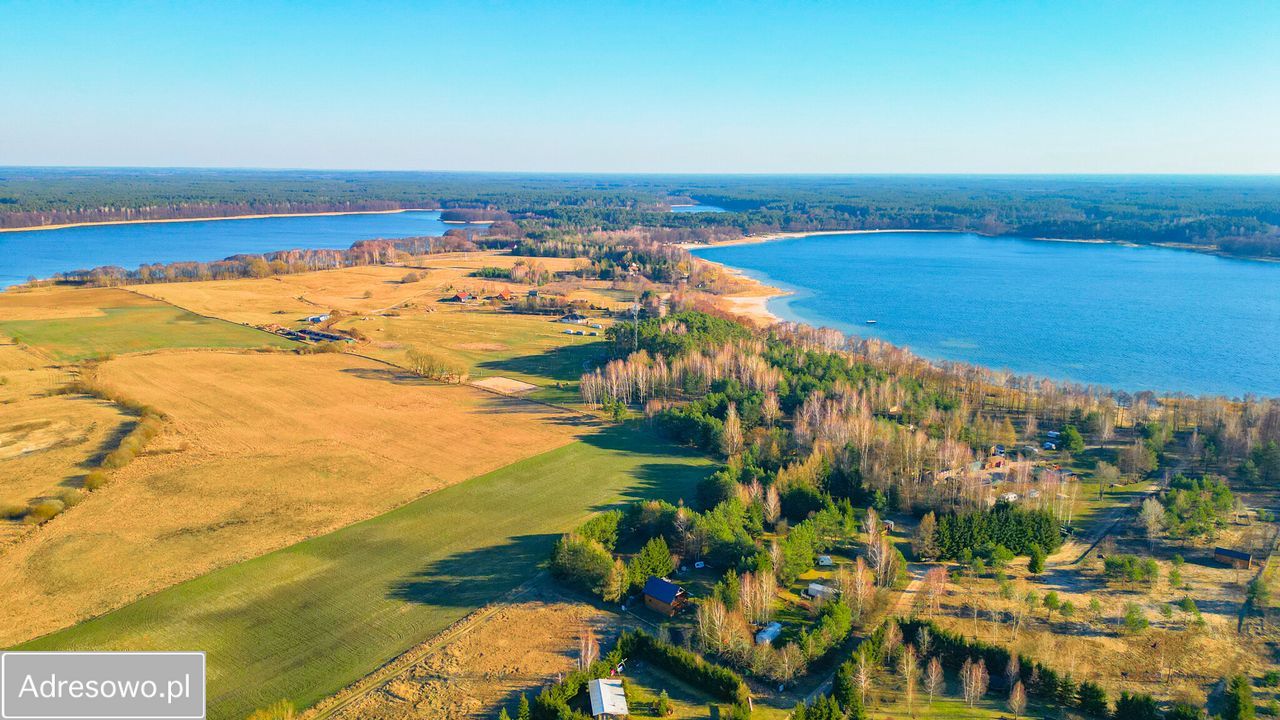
{"x": 769, "y": 633}
{"x": 315, "y": 319}
{"x": 504, "y": 295}
{"x": 607, "y": 698}
{"x": 574, "y": 318}
{"x": 462, "y": 297}
{"x": 662, "y": 595}
{"x": 1234, "y": 558}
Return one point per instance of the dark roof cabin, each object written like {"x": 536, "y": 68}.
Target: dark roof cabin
{"x": 1234, "y": 558}
{"x": 662, "y": 595}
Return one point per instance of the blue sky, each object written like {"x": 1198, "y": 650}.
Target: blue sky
{"x": 631, "y": 87}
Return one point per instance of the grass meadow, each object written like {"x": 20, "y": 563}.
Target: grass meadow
{"x": 302, "y": 622}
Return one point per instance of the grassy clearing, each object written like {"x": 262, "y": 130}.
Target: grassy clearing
{"x": 528, "y": 348}
{"x": 113, "y": 322}
{"x": 259, "y": 451}
{"x": 302, "y": 622}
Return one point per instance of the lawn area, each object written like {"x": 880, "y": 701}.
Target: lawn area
{"x": 302, "y": 622}
{"x": 76, "y": 324}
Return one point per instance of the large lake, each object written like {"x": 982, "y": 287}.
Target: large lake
{"x": 41, "y": 253}
{"x": 1132, "y": 318}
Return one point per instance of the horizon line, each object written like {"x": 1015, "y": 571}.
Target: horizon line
{"x": 689, "y": 173}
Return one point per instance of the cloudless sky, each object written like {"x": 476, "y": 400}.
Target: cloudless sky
{"x": 847, "y": 87}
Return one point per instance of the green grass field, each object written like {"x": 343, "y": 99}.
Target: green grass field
{"x": 303, "y": 622}
{"x": 529, "y": 348}
{"x": 134, "y": 329}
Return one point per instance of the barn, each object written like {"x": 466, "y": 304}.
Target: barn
{"x": 1234, "y": 558}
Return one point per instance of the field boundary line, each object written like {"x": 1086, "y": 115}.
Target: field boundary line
{"x": 384, "y": 673}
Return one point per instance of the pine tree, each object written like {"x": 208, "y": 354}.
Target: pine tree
{"x": 523, "y": 712}
{"x": 1239, "y": 700}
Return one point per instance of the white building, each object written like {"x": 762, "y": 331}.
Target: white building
{"x": 607, "y": 698}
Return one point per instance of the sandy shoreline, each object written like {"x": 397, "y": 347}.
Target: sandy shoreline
{"x": 224, "y": 217}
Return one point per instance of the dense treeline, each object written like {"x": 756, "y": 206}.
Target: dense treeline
{"x": 1238, "y": 215}
{"x": 283, "y": 262}
{"x": 1020, "y": 531}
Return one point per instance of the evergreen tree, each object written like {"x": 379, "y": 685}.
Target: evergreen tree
{"x": 522, "y": 710}
{"x": 1238, "y": 704}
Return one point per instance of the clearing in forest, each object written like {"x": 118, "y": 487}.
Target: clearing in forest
{"x": 258, "y": 451}
{"x": 302, "y": 622}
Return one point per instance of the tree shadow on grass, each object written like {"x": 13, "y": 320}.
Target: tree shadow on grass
{"x": 398, "y": 377}
{"x": 475, "y": 577}
{"x": 565, "y": 363}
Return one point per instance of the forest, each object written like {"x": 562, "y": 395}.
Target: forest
{"x": 1233, "y": 215}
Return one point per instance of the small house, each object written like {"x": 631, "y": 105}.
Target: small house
{"x": 1234, "y": 558}
{"x": 574, "y": 318}
{"x": 462, "y": 297}
{"x": 769, "y": 633}
{"x": 608, "y": 700}
{"x": 825, "y": 561}
{"x": 504, "y": 295}
{"x": 663, "y": 596}
{"x": 818, "y": 591}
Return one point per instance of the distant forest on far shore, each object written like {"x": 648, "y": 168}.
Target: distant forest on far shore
{"x": 1237, "y": 215}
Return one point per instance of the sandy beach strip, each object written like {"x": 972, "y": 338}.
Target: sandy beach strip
{"x": 223, "y": 217}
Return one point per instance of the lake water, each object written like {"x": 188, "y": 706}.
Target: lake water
{"x": 1132, "y": 318}
{"x": 41, "y": 253}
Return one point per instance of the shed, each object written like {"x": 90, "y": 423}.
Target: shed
{"x": 608, "y": 700}
{"x": 662, "y": 595}
{"x": 1234, "y": 558}
{"x": 818, "y": 590}
{"x": 769, "y": 633}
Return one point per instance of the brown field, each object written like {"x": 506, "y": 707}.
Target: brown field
{"x": 285, "y": 299}
{"x": 47, "y": 441}
{"x": 487, "y": 662}
{"x": 259, "y": 451}
{"x": 59, "y": 303}
{"x": 24, "y": 375}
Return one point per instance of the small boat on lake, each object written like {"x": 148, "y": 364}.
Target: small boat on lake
{"x": 871, "y": 322}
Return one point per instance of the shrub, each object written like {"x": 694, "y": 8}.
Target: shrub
{"x": 70, "y": 497}
{"x": 95, "y": 479}
{"x": 43, "y": 511}
{"x": 12, "y": 511}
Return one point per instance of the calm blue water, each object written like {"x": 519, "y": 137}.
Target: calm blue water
{"x": 697, "y": 208}
{"x": 45, "y": 252}
{"x": 1132, "y": 318}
